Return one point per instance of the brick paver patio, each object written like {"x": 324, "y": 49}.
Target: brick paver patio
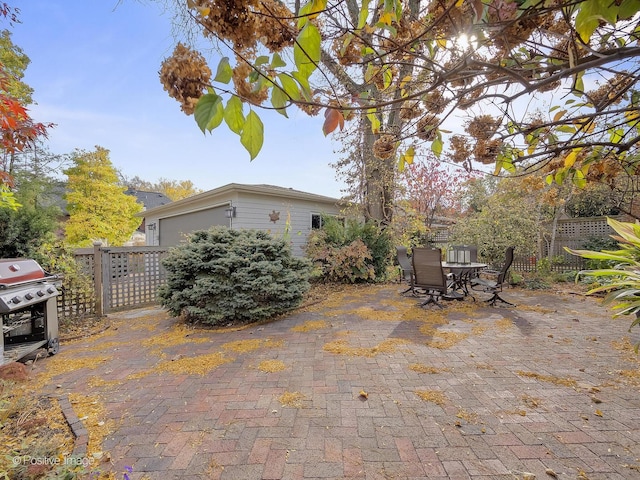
{"x": 384, "y": 390}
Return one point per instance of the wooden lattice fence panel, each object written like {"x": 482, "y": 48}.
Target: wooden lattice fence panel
{"x": 573, "y": 233}
{"x": 131, "y": 276}
{"x": 77, "y": 298}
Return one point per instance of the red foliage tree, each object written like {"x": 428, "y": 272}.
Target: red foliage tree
{"x": 432, "y": 188}
{"x": 17, "y": 128}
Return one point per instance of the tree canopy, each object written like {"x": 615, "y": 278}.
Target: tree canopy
{"x": 543, "y": 84}
{"x": 98, "y": 207}
{"x": 174, "y": 189}
{"x": 18, "y": 130}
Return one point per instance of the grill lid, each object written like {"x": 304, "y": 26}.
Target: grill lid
{"x": 16, "y": 270}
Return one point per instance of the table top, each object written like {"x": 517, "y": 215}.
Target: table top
{"x": 473, "y": 265}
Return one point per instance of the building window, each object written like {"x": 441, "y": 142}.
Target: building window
{"x": 316, "y": 221}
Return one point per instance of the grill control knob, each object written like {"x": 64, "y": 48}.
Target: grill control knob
{"x": 16, "y": 299}
{"x": 51, "y": 290}
{"x": 40, "y": 293}
{"x": 29, "y": 296}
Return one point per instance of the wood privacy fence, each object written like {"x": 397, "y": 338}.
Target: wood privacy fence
{"x": 122, "y": 278}
{"x": 571, "y": 232}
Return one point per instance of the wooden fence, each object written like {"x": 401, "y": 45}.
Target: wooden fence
{"x": 121, "y": 278}
{"x": 571, "y": 232}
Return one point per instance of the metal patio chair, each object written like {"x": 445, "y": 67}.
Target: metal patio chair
{"x": 429, "y": 277}
{"x": 406, "y": 270}
{"x": 494, "y": 286}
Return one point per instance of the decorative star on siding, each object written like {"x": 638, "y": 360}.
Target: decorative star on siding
{"x": 274, "y": 216}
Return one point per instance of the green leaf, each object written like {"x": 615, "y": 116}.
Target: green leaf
{"x": 566, "y": 129}
{"x": 261, "y": 60}
{"x": 306, "y": 51}
{"x": 369, "y": 72}
{"x": 436, "y": 145}
{"x": 616, "y": 135}
{"x": 549, "y": 179}
{"x": 310, "y": 10}
{"x": 305, "y": 89}
{"x": 277, "y": 62}
{"x": 364, "y": 14}
{"x": 406, "y": 158}
{"x": 579, "y": 179}
{"x": 279, "y": 100}
{"x": 303, "y": 14}
{"x": 388, "y": 77}
{"x": 290, "y": 86}
{"x": 254, "y": 76}
{"x": 345, "y": 43}
{"x": 628, "y": 9}
{"x": 252, "y": 136}
{"x": 233, "y": 115}
{"x": 209, "y": 112}
{"x": 591, "y": 12}
{"x": 375, "y": 122}
{"x": 578, "y": 84}
{"x": 587, "y": 20}
{"x": 225, "y": 72}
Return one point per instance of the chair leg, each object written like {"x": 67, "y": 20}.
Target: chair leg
{"x": 431, "y": 299}
{"x": 496, "y": 297}
{"x": 406, "y": 291}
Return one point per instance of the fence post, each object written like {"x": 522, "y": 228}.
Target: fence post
{"x": 97, "y": 277}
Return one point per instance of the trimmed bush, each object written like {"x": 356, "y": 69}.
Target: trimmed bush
{"x": 221, "y": 276}
{"x": 349, "y": 263}
{"x": 349, "y": 252}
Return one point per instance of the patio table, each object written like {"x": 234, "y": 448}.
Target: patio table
{"x": 462, "y": 273}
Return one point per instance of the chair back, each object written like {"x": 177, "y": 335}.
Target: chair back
{"x": 473, "y": 253}
{"x": 427, "y": 269}
{"x": 405, "y": 262}
{"x": 508, "y": 260}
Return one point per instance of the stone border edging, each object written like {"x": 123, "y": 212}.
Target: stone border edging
{"x": 81, "y": 434}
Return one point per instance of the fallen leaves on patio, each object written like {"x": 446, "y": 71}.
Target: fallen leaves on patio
{"x": 61, "y": 364}
{"x": 246, "y": 346}
{"x": 531, "y": 402}
{"x": 178, "y": 334}
{"x": 31, "y": 426}
{"x": 198, "y": 365}
{"x": 92, "y": 414}
{"x": 271, "y": 366}
{"x": 566, "y": 382}
{"x": 469, "y": 417}
{"x": 420, "y": 368}
{"x": 291, "y": 399}
{"x": 433, "y": 396}
{"x": 442, "y": 339}
{"x": 310, "y": 325}
{"x": 504, "y": 324}
{"x": 342, "y": 347}
{"x": 103, "y": 347}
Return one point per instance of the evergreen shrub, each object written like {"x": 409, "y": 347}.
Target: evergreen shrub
{"x": 221, "y": 276}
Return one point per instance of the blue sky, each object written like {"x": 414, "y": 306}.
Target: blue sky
{"x": 93, "y": 69}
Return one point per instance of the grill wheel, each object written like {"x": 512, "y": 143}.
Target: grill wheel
{"x": 54, "y": 346}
